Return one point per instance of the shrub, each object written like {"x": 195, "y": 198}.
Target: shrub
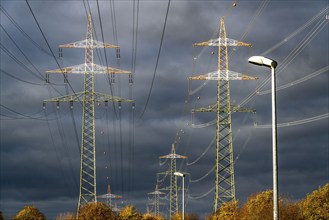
{"x": 29, "y": 213}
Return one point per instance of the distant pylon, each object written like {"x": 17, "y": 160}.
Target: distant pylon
{"x": 109, "y": 196}
{"x": 224, "y": 177}
{"x": 156, "y": 200}
{"x": 88, "y": 98}
{"x": 173, "y": 201}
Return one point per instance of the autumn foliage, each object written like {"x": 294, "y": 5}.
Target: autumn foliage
{"x": 29, "y": 213}
{"x": 258, "y": 206}
{"x": 316, "y": 204}
{"x": 96, "y": 211}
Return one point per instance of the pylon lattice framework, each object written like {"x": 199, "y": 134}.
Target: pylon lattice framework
{"x": 173, "y": 201}
{"x": 109, "y": 197}
{"x": 156, "y": 200}
{"x": 88, "y": 98}
{"x": 224, "y": 176}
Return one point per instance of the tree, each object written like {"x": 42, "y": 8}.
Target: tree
{"x": 289, "y": 210}
{"x": 316, "y": 204}
{"x": 227, "y": 211}
{"x": 178, "y": 216}
{"x": 258, "y": 207}
{"x": 29, "y": 213}
{"x": 129, "y": 213}
{"x": 66, "y": 216}
{"x": 191, "y": 217}
{"x": 96, "y": 211}
{"x": 148, "y": 216}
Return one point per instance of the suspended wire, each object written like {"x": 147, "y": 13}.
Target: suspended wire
{"x": 243, "y": 147}
{"x": 19, "y": 79}
{"x": 108, "y": 142}
{"x": 21, "y": 114}
{"x": 105, "y": 54}
{"x": 259, "y": 11}
{"x": 297, "y": 122}
{"x": 121, "y": 151}
{"x": 300, "y": 29}
{"x": 23, "y": 65}
{"x": 114, "y": 109}
{"x": 44, "y": 37}
{"x": 42, "y": 77}
{"x": 157, "y": 61}
{"x": 201, "y": 196}
{"x": 203, "y": 153}
{"x": 204, "y": 125}
{"x": 23, "y": 32}
{"x": 289, "y": 58}
{"x": 296, "y": 82}
{"x": 132, "y": 148}
{"x": 164, "y": 162}
{"x": 2, "y": 47}
{"x": 64, "y": 143}
{"x": 54, "y": 146}
{"x": 203, "y": 177}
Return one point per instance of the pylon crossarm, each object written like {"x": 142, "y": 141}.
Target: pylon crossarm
{"x": 222, "y": 42}
{"x": 213, "y": 108}
{"x": 209, "y": 108}
{"x": 100, "y": 97}
{"x": 109, "y": 196}
{"x": 90, "y": 44}
{"x": 76, "y": 97}
{"x": 222, "y": 75}
{"x": 157, "y": 192}
{"x": 81, "y": 69}
{"x": 173, "y": 156}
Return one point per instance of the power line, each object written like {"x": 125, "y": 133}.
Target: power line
{"x": 44, "y": 37}
{"x": 297, "y": 122}
{"x": 23, "y": 32}
{"x": 296, "y": 82}
{"x": 157, "y": 62}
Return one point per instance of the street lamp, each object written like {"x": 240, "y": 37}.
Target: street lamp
{"x": 181, "y": 175}
{"x": 263, "y": 61}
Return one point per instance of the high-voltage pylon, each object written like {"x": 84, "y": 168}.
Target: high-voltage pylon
{"x": 109, "y": 196}
{"x": 88, "y": 98}
{"x": 173, "y": 201}
{"x": 224, "y": 177}
{"x": 156, "y": 200}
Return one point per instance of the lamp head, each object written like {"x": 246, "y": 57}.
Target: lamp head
{"x": 262, "y": 61}
{"x": 179, "y": 174}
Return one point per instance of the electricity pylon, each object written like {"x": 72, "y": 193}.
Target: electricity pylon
{"x": 224, "y": 177}
{"x": 109, "y": 196}
{"x": 156, "y": 200}
{"x": 88, "y": 98}
{"x": 173, "y": 201}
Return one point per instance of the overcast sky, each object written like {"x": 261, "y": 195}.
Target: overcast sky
{"x": 40, "y": 148}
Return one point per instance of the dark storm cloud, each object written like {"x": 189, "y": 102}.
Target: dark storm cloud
{"x": 40, "y": 164}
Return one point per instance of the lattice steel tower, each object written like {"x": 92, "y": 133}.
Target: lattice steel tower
{"x": 109, "y": 197}
{"x": 173, "y": 201}
{"x": 224, "y": 177}
{"x": 88, "y": 98}
{"x": 156, "y": 200}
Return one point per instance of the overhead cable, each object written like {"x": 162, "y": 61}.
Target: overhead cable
{"x": 157, "y": 62}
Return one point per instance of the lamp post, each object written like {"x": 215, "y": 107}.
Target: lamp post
{"x": 181, "y": 175}
{"x": 263, "y": 61}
